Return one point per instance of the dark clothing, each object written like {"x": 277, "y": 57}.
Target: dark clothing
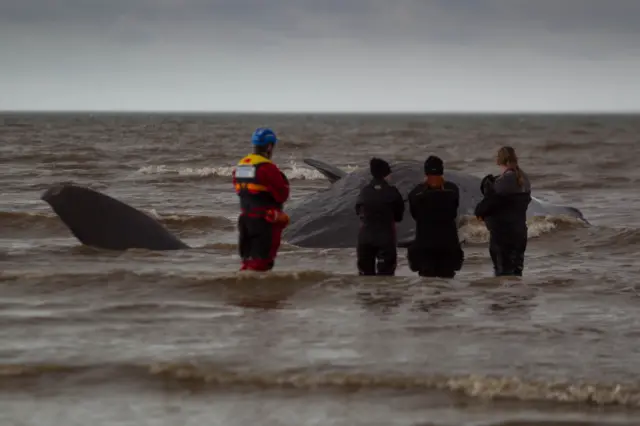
{"x": 379, "y": 206}
{"x": 436, "y": 250}
{"x": 504, "y": 211}
{"x": 508, "y": 257}
{"x": 377, "y": 259}
{"x": 258, "y": 242}
{"x": 434, "y": 262}
{"x": 435, "y": 211}
{"x": 262, "y": 189}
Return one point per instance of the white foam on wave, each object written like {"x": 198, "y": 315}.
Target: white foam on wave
{"x": 293, "y": 170}
{"x": 474, "y": 231}
{"x": 185, "y": 171}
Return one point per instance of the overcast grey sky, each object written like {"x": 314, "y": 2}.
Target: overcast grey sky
{"x": 320, "y": 55}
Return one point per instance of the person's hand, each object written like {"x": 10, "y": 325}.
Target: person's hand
{"x": 283, "y": 219}
{"x": 277, "y": 217}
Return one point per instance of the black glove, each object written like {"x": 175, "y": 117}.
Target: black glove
{"x": 486, "y": 186}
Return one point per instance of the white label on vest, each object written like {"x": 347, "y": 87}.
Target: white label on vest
{"x": 246, "y": 172}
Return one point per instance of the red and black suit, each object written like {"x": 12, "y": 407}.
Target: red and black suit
{"x": 263, "y": 189}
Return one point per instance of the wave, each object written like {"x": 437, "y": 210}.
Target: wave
{"x": 80, "y": 156}
{"x": 181, "y": 222}
{"x": 293, "y": 171}
{"x": 192, "y": 375}
{"x": 614, "y": 239}
{"x": 17, "y": 222}
{"x": 554, "y": 145}
{"x": 173, "y": 278}
{"x": 31, "y": 221}
{"x": 473, "y": 231}
{"x": 568, "y": 183}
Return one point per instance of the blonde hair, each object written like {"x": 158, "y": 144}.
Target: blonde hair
{"x": 507, "y": 157}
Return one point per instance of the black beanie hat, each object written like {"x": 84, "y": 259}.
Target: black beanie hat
{"x": 433, "y": 166}
{"x": 380, "y": 169}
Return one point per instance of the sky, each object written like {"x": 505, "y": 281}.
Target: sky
{"x": 321, "y": 55}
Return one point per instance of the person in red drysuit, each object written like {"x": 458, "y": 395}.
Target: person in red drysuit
{"x": 263, "y": 189}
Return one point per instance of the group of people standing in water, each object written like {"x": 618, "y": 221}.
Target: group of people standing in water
{"x": 433, "y": 204}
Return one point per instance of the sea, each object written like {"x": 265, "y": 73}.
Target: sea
{"x": 95, "y": 337}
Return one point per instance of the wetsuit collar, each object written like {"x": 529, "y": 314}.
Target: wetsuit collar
{"x": 376, "y": 181}
{"x": 434, "y": 182}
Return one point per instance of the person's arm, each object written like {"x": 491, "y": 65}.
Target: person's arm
{"x": 359, "y": 202}
{"x": 398, "y": 207}
{"x": 489, "y": 205}
{"x": 413, "y": 202}
{"x": 270, "y": 176}
{"x": 455, "y": 200}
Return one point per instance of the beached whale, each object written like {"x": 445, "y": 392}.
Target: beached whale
{"x": 325, "y": 219}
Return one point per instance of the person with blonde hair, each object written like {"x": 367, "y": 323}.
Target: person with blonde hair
{"x": 504, "y": 212}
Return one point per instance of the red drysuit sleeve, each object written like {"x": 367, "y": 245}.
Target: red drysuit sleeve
{"x": 270, "y": 176}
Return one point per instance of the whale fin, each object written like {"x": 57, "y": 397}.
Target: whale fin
{"x": 332, "y": 173}
{"x": 571, "y": 211}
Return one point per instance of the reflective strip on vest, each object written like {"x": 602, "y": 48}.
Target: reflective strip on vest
{"x": 251, "y": 187}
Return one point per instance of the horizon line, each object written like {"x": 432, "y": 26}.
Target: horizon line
{"x": 317, "y": 112}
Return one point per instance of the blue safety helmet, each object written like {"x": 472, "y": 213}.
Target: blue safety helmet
{"x": 263, "y": 136}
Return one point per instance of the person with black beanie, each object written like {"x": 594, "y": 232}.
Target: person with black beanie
{"x": 433, "y": 204}
{"x": 380, "y": 206}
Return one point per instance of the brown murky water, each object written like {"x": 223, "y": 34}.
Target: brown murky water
{"x": 179, "y": 338}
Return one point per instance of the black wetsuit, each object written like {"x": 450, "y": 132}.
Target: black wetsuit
{"x": 504, "y": 211}
{"x": 435, "y": 251}
{"x": 379, "y": 206}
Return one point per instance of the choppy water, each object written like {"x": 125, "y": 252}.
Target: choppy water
{"x": 141, "y": 338}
